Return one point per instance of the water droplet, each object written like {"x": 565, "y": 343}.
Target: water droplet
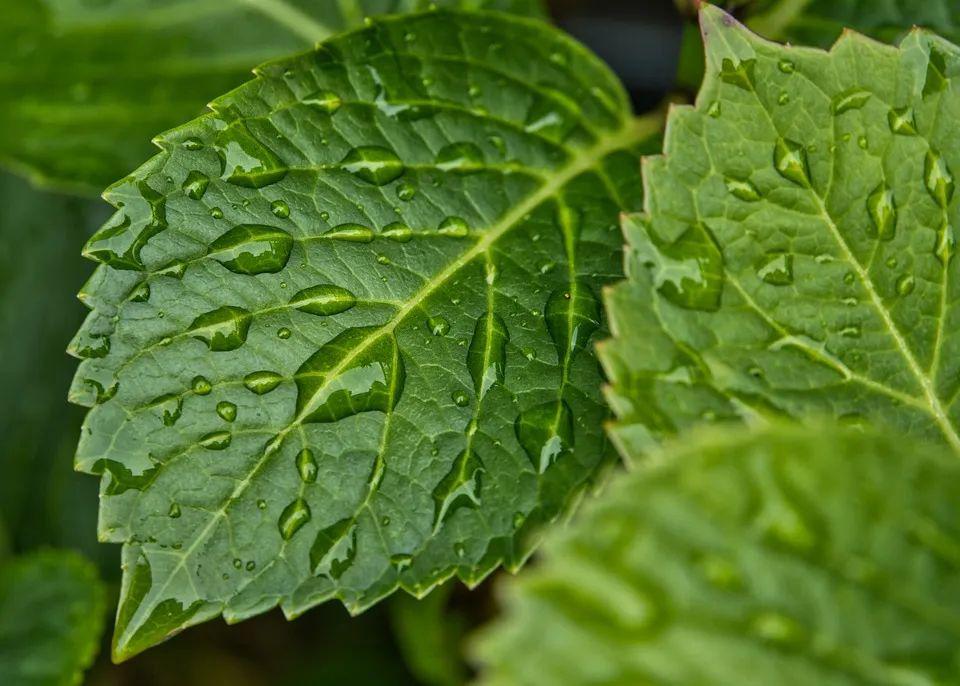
{"x": 850, "y": 100}
{"x": 334, "y": 549}
{"x": 862, "y": 142}
{"x": 461, "y": 157}
{"x": 739, "y": 74}
{"x": 459, "y": 488}
{"x": 783, "y": 98}
{"x": 902, "y": 122}
{"x": 216, "y": 213}
{"x": 121, "y": 240}
{"x": 744, "y": 190}
{"x": 253, "y": 249}
{"x": 777, "y": 269}
{"x": 357, "y": 371}
{"x": 406, "y": 191}
{"x": 201, "y": 386}
{"x": 398, "y": 232}
{"x": 293, "y": 517}
{"x": 351, "y": 233}
{"x": 222, "y": 329}
{"x": 261, "y": 504}
{"x": 945, "y": 244}
{"x": 552, "y": 114}
{"x": 324, "y": 300}
{"x": 97, "y": 346}
{"x": 715, "y": 109}
{"x": 938, "y": 178}
{"x": 487, "y": 354}
{"x": 170, "y": 406}
{"x": 688, "y": 271}
{"x": 790, "y": 160}
{"x": 262, "y": 382}
{"x": 786, "y": 66}
{"x": 460, "y": 399}
{"x": 280, "y": 209}
{"x": 905, "y": 284}
{"x": 883, "y": 212}
{"x": 438, "y": 326}
{"x": 545, "y": 432}
{"x": 325, "y": 100}
{"x": 572, "y": 316}
{"x": 936, "y": 73}
{"x": 226, "y": 410}
{"x": 192, "y": 144}
{"x": 195, "y": 185}
{"x": 216, "y": 440}
{"x": 307, "y": 466}
{"x": 246, "y": 161}
{"x": 174, "y": 511}
{"x": 455, "y": 227}
{"x": 374, "y": 164}
{"x": 141, "y": 293}
{"x": 250, "y": 566}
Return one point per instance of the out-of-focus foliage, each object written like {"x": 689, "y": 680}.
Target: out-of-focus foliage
{"x": 794, "y": 555}
{"x": 51, "y": 617}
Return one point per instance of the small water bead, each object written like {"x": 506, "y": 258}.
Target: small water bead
{"x": 325, "y": 216}
{"x": 293, "y": 517}
{"x": 283, "y": 333}
{"x": 201, "y": 386}
{"x": 744, "y": 190}
{"x": 460, "y": 399}
{"x": 192, "y": 144}
{"x": 216, "y": 440}
{"x": 853, "y": 331}
{"x": 783, "y": 98}
{"x": 454, "y": 227}
{"x": 174, "y": 511}
{"x": 237, "y": 563}
{"x": 905, "y": 284}
{"x": 216, "y": 213}
{"x": 280, "y": 209}
{"x": 892, "y": 262}
{"x": 324, "y": 100}
{"x": 195, "y": 185}
{"x": 384, "y": 260}
{"x": 438, "y": 325}
{"x": 261, "y": 504}
{"x": 250, "y": 566}
{"x": 307, "y": 466}
{"x": 849, "y": 278}
{"x": 385, "y": 521}
{"x": 261, "y": 382}
{"x": 374, "y": 164}
{"x": 715, "y": 109}
{"x": 901, "y": 121}
{"x": 406, "y": 191}
{"x": 226, "y": 410}
{"x": 790, "y": 161}
{"x": 862, "y": 142}
{"x": 786, "y": 66}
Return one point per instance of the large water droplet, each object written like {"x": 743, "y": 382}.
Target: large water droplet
{"x": 688, "y": 271}
{"x": 739, "y": 74}
{"x": 461, "y": 157}
{"x": 459, "y": 488}
{"x": 777, "y": 269}
{"x": 293, "y": 517}
{"x": 324, "y": 299}
{"x": 324, "y": 100}
{"x": 226, "y": 410}
{"x": 374, "y": 164}
{"x": 216, "y": 440}
{"x": 253, "y": 249}
{"x": 123, "y": 237}
{"x": 246, "y": 161}
{"x": 901, "y": 121}
{"x": 744, "y": 190}
{"x": 487, "y": 354}
{"x": 938, "y": 178}
{"x": 850, "y": 100}
{"x": 334, "y": 549}
{"x": 261, "y": 382}
{"x": 222, "y": 329}
{"x": 351, "y": 233}
{"x": 307, "y": 466}
{"x": 201, "y": 386}
{"x": 454, "y": 227}
{"x": 545, "y": 432}
{"x": 936, "y": 80}
{"x": 195, "y": 185}
{"x": 361, "y": 370}
{"x": 790, "y": 160}
{"x": 572, "y": 315}
{"x": 883, "y": 212}
{"x": 170, "y": 406}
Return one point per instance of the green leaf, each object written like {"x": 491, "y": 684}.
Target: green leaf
{"x": 84, "y": 86}
{"x": 51, "y": 616}
{"x": 820, "y": 22}
{"x": 361, "y": 357}
{"x": 797, "y": 255}
{"x": 801, "y": 555}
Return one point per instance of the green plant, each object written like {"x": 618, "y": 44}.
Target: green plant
{"x": 343, "y": 333}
